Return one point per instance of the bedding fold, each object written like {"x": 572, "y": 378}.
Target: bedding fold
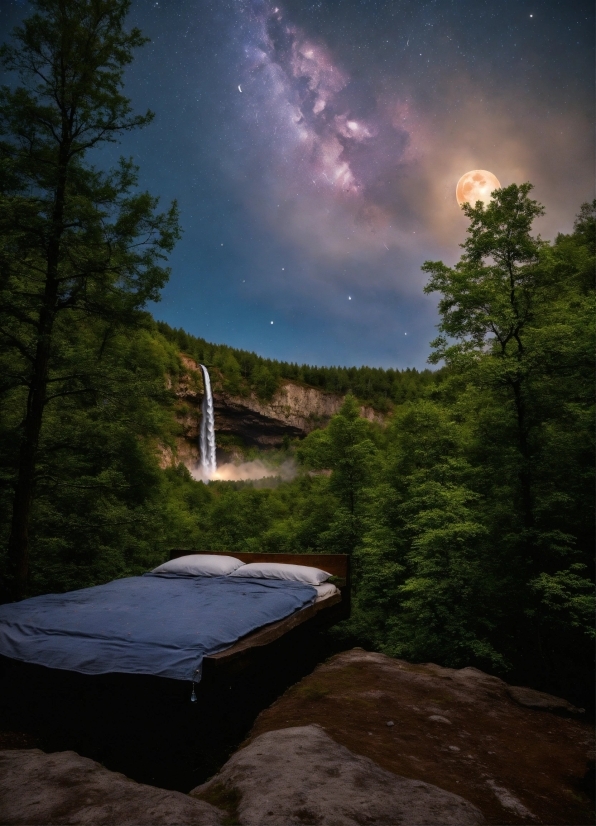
{"x": 154, "y": 624}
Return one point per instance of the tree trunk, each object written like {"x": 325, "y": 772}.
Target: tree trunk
{"x": 18, "y": 546}
{"x": 18, "y": 543}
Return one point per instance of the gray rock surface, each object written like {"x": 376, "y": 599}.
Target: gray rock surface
{"x": 297, "y": 776}
{"x": 64, "y": 788}
{"x": 531, "y": 698}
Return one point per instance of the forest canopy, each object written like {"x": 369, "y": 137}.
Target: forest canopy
{"x": 243, "y": 372}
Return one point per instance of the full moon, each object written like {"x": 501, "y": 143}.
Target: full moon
{"x": 476, "y": 186}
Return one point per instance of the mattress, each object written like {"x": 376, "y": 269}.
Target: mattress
{"x": 154, "y": 624}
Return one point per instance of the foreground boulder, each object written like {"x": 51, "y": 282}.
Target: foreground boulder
{"x": 38, "y": 788}
{"x": 364, "y": 739}
{"x": 301, "y": 776}
{"x": 499, "y": 747}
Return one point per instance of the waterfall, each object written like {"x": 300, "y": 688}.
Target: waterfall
{"x": 207, "y": 434}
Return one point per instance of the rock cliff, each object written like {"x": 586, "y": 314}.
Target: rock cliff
{"x": 293, "y": 411}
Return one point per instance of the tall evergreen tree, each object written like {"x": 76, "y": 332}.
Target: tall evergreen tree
{"x": 78, "y": 243}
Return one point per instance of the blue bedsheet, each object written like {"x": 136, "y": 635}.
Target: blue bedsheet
{"x": 153, "y": 624}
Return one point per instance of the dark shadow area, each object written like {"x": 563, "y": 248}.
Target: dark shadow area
{"x": 147, "y": 727}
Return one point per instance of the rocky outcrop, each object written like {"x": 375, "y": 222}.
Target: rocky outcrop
{"x": 295, "y": 776}
{"x": 292, "y": 776}
{"x": 500, "y": 747}
{"x": 531, "y": 698}
{"x": 38, "y": 788}
{"x": 364, "y": 738}
{"x": 293, "y": 412}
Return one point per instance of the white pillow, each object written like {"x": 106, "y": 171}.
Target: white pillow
{"x": 282, "y": 570}
{"x": 200, "y": 565}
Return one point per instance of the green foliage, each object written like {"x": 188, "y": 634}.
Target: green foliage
{"x": 81, "y": 250}
{"x": 490, "y": 295}
{"x": 344, "y": 447}
{"x": 478, "y": 543}
{"x": 371, "y": 385}
{"x": 98, "y": 481}
{"x": 424, "y": 558}
{"x": 518, "y": 321}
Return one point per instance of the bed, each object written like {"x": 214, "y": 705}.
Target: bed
{"x": 171, "y": 624}
{"x": 144, "y": 724}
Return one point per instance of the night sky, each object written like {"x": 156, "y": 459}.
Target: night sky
{"x": 314, "y": 149}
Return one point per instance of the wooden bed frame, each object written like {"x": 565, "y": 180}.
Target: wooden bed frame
{"x": 145, "y": 726}
{"x": 320, "y": 615}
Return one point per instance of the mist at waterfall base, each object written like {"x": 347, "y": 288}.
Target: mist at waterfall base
{"x": 207, "y": 469}
{"x": 246, "y": 471}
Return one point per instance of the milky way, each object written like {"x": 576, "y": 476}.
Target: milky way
{"x": 335, "y": 152}
{"x": 315, "y": 103}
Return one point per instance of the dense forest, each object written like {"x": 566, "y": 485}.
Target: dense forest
{"x": 243, "y": 372}
{"x": 469, "y": 516}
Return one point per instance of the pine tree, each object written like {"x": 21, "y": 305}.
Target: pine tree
{"x": 77, "y": 242}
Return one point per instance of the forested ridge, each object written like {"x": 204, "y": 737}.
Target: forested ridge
{"x": 469, "y": 516}
{"x": 242, "y": 372}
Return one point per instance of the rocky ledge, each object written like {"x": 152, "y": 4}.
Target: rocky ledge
{"x": 296, "y": 776}
{"x": 38, "y": 788}
{"x": 293, "y": 411}
{"x": 363, "y": 739}
{"x": 519, "y": 755}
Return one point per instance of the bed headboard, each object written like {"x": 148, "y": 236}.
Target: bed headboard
{"x": 335, "y": 564}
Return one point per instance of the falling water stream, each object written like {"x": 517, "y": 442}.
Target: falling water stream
{"x": 207, "y": 433}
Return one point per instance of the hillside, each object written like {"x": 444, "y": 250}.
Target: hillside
{"x": 242, "y": 372}
{"x": 245, "y": 421}
{"x": 262, "y": 404}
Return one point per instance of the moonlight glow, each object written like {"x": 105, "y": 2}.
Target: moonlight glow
{"x": 476, "y": 186}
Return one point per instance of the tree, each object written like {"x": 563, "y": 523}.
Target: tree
{"x": 489, "y": 299}
{"x": 78, "y": 243}
{"x": 346, "y": 448}
{"x": 517, "y": 324}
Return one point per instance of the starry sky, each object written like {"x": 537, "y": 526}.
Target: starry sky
{"x": 314, "y": 149}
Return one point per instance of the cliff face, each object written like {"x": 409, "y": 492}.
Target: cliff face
{"x": 293, "y": 412}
